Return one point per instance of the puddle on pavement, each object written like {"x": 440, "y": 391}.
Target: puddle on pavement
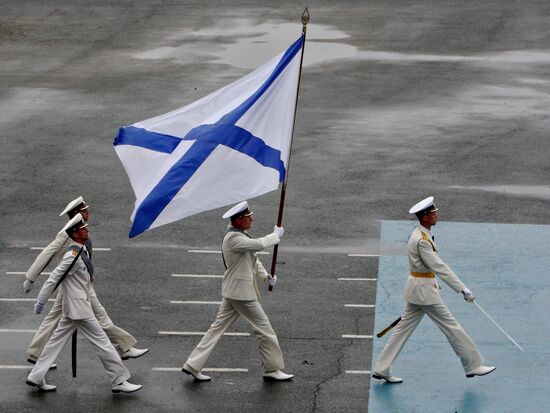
{"x": 252, "y": 44}
{"x": 243, "y": 43}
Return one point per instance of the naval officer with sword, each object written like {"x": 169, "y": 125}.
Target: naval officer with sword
{"x": 422, "y": 297}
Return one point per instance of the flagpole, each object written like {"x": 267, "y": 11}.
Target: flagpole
{"x": 305, "y": 21}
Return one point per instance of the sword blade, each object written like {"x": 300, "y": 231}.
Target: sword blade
{"x": 499, "y": 327}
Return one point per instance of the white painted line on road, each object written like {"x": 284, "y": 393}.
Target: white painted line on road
{"x": 358, "y": 372}
{"x": 219, "y": 252}
{"x": 359, "y": 305}
{"x": 218, "y": 369}
{"x": 357, "y": 279}
{"x": 195, "y": 302}
{"x": 16, "y": 367}
{"x": 9, "y": 330}
{"x": 196, "y": 276}
{"x": 94, "y": 248}
{"x": 198, "y": 333}
{"x": 23, "y": 273}
{"x": 22, "y": 299}
{"x": 205, "y": 252}
{"x": 355, "y": 336}
{"x": 363, "y": 255}
{"x": 224, "y": 369}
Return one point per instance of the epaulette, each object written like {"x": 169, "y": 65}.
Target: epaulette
{"x": 426, "y": 238}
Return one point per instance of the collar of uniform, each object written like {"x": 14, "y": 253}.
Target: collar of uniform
{"x": 231, "y": 228}
{"x": 426, "y": 231}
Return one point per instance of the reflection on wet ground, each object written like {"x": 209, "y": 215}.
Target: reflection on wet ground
{"x": 253, "y": 44}
{"x": 535, "y": 191}
{"x": 367, "y": 246}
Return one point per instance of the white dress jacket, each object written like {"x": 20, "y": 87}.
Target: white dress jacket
{"x": 75, "y": 290}
{"x": 243, "y": 267}
{"x": 423, "y": 259}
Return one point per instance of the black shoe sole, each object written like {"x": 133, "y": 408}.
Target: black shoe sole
{"x": 30, "y": 383}
{"x": 133, "y": 391}
{"x": 379, "y": 377}
{"x": 274, "y": 379}
{"x": 484, "y": 374}
{"x": 191, "y": 374}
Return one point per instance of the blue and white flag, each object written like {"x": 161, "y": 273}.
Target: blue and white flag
{"x": 228, "y": 146}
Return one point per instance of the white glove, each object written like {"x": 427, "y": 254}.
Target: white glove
{"x": 272, "y": 280}
{"x": 279, "y": 231}
{"x": 38, "y": 307}
{"x": 468, "y": 296}
{"x": 27, "y": 285}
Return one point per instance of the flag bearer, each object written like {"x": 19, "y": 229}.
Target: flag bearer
{"x": 240, "y": 296}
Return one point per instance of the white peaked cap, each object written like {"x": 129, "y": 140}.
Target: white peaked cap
{"x": 77, "y": 220}
{"x": 73, "y": 204}
{"x": 423, "y": 205}
{"x": 240, "y": 207}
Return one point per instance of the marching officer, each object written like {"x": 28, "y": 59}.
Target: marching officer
{"x": 240, "y": 296}
{"x": 122, "y": 340}
{"x": 74, "y": 277}
{"x": 422, "y": 297}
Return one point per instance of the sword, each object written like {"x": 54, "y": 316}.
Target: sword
{"x": 499, "y": 327}
{"x": 388, "y": 328}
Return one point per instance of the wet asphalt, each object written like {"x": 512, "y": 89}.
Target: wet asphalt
{"x": 398, "y": 101}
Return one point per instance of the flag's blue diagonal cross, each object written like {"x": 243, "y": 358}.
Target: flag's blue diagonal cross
{"x": 206, "y": 139}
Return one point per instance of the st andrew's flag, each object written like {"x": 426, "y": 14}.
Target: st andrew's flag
{"x": 229, "y": 146}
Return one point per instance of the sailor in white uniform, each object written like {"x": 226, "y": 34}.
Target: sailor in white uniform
{"x": 74, "y": 277}
{"x": 240, "y": 296}
{"x": 121, "y": 339}
{"x": 422, "y": 297}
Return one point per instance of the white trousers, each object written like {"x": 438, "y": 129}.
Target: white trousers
{"x": 461, "y": 343}
{"x": 91, "y": 329}
{"x": 121, "y": 339}
{"x": 229, "y": 312}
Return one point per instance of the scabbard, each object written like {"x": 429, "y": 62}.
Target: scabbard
{"x": 73, "y": 352}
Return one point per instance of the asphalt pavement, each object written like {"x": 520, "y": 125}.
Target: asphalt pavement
{"x": 399, "y": 100}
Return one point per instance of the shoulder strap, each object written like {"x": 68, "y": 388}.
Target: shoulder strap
{"x": 71, "y": 248}
{"x": 426, "y": 238}
{"x": 231, "y": 229}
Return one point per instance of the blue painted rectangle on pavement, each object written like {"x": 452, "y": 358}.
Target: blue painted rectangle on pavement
{"x": 507, "y": 268}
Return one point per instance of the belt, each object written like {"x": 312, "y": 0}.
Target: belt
{"x": 423, "y": 274}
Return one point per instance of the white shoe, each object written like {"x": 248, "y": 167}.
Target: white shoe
{"x": 187, "y": 369}
{"x": 43, "y": 386}
{"x": 389, "y": 379}
{"x": 480, "y": 371}
{"x": 133, "y": 353}
{"x": 277, "y": 375}
{"x": 126, "y": 387}
{"x": 52, "y": 367}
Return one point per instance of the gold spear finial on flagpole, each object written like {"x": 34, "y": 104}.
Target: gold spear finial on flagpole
{"x": 305, "y": 19}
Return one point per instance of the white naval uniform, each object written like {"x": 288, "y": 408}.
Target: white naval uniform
{"x": 240, "y": 298}
{"x": 120, "y": 338}
{"x": 76, "y": 292}
{"x": 422, "y": 297}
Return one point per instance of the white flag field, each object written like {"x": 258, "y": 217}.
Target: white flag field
{"x": 227, "y": 147}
